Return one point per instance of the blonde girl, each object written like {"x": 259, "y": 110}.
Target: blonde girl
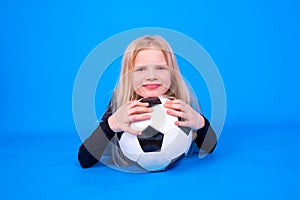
{"x": 149, "y": 69}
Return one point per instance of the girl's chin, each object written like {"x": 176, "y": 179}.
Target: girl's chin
{"x": 146, "y": 94}
{"x": 151, "y": 95}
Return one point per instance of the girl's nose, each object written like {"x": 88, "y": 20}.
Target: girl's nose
{"x": 151, "y": 74}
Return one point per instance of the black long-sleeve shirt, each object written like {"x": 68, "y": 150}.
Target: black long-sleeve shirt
{"x": 93, "y": 147}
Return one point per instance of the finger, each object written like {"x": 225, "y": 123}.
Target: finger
{"x": 131, "y": 131}
{"x": 183, "y": 123}
{"x": 174, "y": 106}
{"x": 139, "y": 110}
{"x": 132, "y": 103}
{"x": 144, "y": 104}
{"x": 138, "y": 107}
{"x": 137, "y": 118}
{"x": 176, "y": 101}
{"x": 175, "y": 113}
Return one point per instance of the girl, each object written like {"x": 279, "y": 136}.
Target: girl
{"x": 149, "y": 69}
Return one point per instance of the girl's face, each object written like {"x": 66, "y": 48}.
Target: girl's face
{"x": 151, "y": 75}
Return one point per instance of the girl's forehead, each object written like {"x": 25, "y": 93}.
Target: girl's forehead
{"x": 150, "y": 56}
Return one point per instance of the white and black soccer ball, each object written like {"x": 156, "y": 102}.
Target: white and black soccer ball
{"x": 161, "y": 143}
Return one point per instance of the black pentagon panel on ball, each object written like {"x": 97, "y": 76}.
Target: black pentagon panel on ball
{"x": 185, "y": 129}
{"x": 151, "y": 139}
{"x": 151, "y": 100}
{"x": 119, "y": 135}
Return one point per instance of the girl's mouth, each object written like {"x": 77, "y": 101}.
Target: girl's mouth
{"x": 151, "y": 86}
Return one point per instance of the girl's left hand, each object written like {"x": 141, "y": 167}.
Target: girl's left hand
{"x": 190, "y": 118}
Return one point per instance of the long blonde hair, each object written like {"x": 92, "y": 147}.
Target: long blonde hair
{"x": 124, "y": 91}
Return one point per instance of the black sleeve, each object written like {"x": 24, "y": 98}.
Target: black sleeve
{"x": 206, "y": 138}
{"x": 93, "y": 147}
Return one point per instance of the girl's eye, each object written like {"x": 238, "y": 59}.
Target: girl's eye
{"x": 161, "y": 67}
{"x": 139, "y": 69}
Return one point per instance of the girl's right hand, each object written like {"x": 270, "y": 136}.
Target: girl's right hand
{"x": 133, "y": 111}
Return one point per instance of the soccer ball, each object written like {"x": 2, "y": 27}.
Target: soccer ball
{"x": 161, "y": 143}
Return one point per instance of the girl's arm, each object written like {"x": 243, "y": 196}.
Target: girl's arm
{"x": 206, "y": 138}
{"x": 93, "y": 147}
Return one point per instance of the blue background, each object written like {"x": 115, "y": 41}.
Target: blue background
{"x": 255, "y": 45}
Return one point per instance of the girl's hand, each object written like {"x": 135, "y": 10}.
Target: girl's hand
{"x": 133, "y": 111}
{"x": 190, "y": 118}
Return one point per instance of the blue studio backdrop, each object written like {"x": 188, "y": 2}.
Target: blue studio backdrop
{"x": 255, "y": 45}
